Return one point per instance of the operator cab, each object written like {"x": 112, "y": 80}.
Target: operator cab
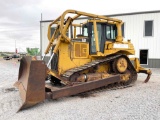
{"x": 105, "y": 31}
{"x": 87, "y": 33}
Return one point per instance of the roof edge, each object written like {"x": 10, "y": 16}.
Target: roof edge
{"x": 113, "y": 15}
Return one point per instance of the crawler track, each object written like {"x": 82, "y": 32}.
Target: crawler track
{"x": 110, "y": 59}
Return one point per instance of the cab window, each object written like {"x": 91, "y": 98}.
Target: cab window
{"x": 85, "y": 31}
{"x": 111, "y": 32}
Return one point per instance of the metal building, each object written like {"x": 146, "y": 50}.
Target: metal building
{"x": 142, "y": 28}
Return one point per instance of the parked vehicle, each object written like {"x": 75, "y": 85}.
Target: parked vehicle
{"x": 15, "y": 56}
{"x": 7, "y": 57}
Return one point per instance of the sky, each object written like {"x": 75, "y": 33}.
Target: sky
{"x": 20, "y": 19}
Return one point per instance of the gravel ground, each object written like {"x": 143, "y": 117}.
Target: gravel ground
{"x": 140, "y": 102}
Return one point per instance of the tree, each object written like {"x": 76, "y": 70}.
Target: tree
{"x": 33, "y": 51}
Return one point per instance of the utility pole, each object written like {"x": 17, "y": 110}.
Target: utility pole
{"x": 41, "y": 35}
{"x": 41, "y": 16}
{"x": 15, "y": 47}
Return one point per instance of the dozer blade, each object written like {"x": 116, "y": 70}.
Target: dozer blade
{"x": 31, "y": 81}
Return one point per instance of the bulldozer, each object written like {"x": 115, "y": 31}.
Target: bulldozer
{"x": 83, "y": 56}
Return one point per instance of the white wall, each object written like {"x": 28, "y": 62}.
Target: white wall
{"x": 44, "y": 36}
{"x": 134, "y": 30}
{"x": 44, "y": 39}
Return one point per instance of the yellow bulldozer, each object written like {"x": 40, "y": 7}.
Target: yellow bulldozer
{"x": 91, "y": 56}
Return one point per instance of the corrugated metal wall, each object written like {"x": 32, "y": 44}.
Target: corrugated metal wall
{"x": 44, "y": 36}
{"x": 152, "y": 63}
{"x": 134, "y": 30}
{"x": 44, "y": 39}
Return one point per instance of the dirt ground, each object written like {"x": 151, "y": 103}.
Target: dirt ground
{"x": 140, "y": 102}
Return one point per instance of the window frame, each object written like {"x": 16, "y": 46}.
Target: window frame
{"x": 124, "y": 29}
{"x": 113, "y": 25}
{"x": 144, "y": 28}
{"x": 85, "y": 26}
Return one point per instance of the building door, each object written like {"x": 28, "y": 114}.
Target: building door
{"x": 143, "y": 57}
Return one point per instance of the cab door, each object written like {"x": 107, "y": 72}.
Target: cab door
{"x": 101, "y": 38}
